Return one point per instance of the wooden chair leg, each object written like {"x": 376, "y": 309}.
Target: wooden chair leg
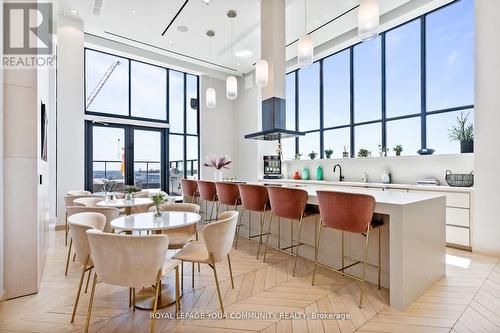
{"x": 177, "y": 293}
{"x": 88, "y": 279}
{"x": 267, "y": 236}
{"x": 82, "y": 276}
{"x": 155, "y": 304}
{"x": 69, "y": 256}
{"x": 91, "y": 302}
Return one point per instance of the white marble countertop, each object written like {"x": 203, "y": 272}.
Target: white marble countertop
{"x": 444, "y": 188}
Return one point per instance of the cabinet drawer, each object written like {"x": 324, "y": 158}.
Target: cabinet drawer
{"x": 457, "y": 235}
{"x": 457, "y": 200}
{"x": 457, "y": 216}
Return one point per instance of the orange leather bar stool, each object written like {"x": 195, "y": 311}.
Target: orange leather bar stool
{"x": 254, "y": 198}
{"x": 348, "y": 212}
{"x": 288, "y": 203}
{"x": 208, "y": 192}
{"x": 190, "y": 190}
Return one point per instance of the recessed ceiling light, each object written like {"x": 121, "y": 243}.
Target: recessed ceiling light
{"x": 133, "y": 10}
{"x": 72, "y": 11}
{"x": 170, "y": 43}
{"x": 238, "y": 64}
{"x": 243, "y": 53}
{"x": 206, "y": 2}
{"x": 182, "y": 28}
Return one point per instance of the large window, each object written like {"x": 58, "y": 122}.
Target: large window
{"x": 406, "y": 87}
{"x": 152, "y": 157}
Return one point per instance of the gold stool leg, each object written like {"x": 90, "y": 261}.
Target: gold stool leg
{"x": 155, "y": 304}
{"x": 177, "y": 293}
{"x": 249, "y": 224}
{"x": 217, "y": 283}
{"x": 364, "y": 268}
{"x": 91, "y": 302}
{"x": 82, "y": 276}
{"x": 88, "y": 279}
{"x": 133, "y": 299}
{"x": 316, "y": 251}
{"x": 230, "y": 271}
{"x": 182, "y": 275}
{"x": 238, "y": 226}
{"x": 69, "y": 255}
{"x": 261, "y": 222}
{"x": 379, "y": 266}
{"x": 343, "y": 255}
{"x": 192, "y": 275}
{"x": 297, "y": 248}
{"x": 66, "y": 231}
{"x": 267, "y": 236}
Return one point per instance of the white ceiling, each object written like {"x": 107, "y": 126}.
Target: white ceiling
{"x": 141, "y": 23}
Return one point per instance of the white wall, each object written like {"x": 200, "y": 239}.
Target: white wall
{"x": 486, "y": 230}
{"x": 70, "y": 123}
{"x": 216, "y": 127}
{"x": 1, "y": 169}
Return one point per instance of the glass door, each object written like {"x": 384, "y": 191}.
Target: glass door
{"x": 147, "y": 158}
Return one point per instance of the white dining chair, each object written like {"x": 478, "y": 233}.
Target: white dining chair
{"x": 141, "y": 194}
{"x": 217, "y": 240}
{"x": 78, "y": 193}
{"x": 179, "y": 237}
{"x": 87, "y": 201}
{"x": 78, "y": 225}
{"x": 131, "y": 261}
{"x": 68, "y": 201}
{"x": 110, "y": 213}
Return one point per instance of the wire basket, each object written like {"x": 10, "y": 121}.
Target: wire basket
{"x": 459, "y": 179}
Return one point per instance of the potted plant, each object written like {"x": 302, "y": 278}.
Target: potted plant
{"x": 398, "y": 149}
{"x": 382, "y": 150}
{"x": 463, "y": 131}
{"x": 158, "y": 198}
{"x": 345, "y": 154}
{"x": 312, "y": 155}
{"x": 297, "y": 156}
{"x": 328, "y": 153}
{"x": 364, "y": 153}
{"x": 129, "y": 191}
{"x": 218, "y": 164}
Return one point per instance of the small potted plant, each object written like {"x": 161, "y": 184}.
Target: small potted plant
{"x": 345, "y": 154}
{"x": 312, "y": 155}
{"x": 297, "y": 156}
{"x": 129, "y": 191}
{"x": 398, "y": 149}
{"x": 382, "y": 150}
{"x": 463, "y": 131}
{"x": 364, "y": 153}
{"x": 328, "y": 153}
{"x": 158, "y": 198}
{"x": 219, "y": 164}
{"x": 108, "y": 185}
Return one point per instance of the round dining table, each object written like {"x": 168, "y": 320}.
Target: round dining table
{"x": 144, "y": 299}
{"x": 127, "y": 204}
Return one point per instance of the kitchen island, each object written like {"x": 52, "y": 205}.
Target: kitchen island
{"x": 413, "y": 240}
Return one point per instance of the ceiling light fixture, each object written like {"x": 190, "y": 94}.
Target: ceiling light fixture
{"x": 305, "y": 46}
{"x": 133, "y": 10}
{"x": 368, "y": 19}
{"x": 206, "y": 2}
{"x": 182, "y": 28}
{"x": 231, "y": 81}
{"x": 210, "y": 96}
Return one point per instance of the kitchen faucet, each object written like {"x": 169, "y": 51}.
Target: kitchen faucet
{"x": 341, "y": 178}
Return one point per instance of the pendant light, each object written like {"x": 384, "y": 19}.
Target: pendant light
{"x": 368, "y": 19}
{"x": 305, "y": 46}
{"x": 210, "y": 96}
{"x": 231, "y": 81}
{"x": 261, "y": 73}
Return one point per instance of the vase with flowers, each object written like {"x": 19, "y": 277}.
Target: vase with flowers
{"x": 219, "y": 164}
{"x": 129, "y": 191}
{"x": 158, "y": 198}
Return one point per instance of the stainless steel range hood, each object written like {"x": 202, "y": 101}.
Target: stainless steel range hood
{"x": 272, "y": 45}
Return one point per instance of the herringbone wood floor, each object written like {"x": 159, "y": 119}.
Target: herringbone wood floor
{"x": 466, "y": 300}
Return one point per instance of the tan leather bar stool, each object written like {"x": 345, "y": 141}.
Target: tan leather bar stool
{"x": 288, "y": 203}
{"x": 190, "y": 190}
{"x": 348, "y": 212}
{"x": 254, "y": 198}
{"x": 208, "y": 192}
{"x": 229, "y": 195}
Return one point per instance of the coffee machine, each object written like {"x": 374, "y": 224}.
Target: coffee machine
{"x": 272, "y": 167}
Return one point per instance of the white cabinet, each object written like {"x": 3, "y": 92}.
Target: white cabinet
{"x": 458, "y": 217}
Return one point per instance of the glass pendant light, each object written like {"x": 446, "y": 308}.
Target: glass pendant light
{"x": 210, "y": 96}
{"x": 368, "y": 19}
{"x": 231, "y": 81}
{"x": 261, "y": 73}
{"x": 305, "y": 46}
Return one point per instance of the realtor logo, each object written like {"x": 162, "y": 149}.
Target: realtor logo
{"x": 27, "y": 28}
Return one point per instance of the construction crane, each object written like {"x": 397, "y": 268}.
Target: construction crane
{"x": 101, "y": 83}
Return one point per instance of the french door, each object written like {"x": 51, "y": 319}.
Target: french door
{"x": 125, "y": 154}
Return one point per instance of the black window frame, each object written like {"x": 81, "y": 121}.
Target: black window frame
{"x": 424, "y": 111}
{"x": 165, "y": 183}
